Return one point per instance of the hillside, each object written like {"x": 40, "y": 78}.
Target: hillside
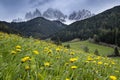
{"x": 29, "y": 59}
{"x": 37, "y": 28}
{"x": 104, "y": 26}
{"x": 92, "y": 47}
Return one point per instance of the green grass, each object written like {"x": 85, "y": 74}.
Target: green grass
{"x": 31, "y": 59}
{"x": 79, "y": 45}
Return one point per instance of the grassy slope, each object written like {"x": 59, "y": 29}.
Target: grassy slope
{"x": 60, "y": 62}
{"x": 78, "y": 45}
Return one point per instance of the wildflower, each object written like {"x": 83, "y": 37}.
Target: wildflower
{"x": 47, "y": 64}
{"x": 72, "y": 53}
{"x": 66, "y": 64}
{"x": 49, "y": 51}
{"x": 13, "y": 52}
{"x": 113, "y": 62}
{"x": 94, "y": 61}
{"x": 18, "y": 47}
{"x": 58, "y": 49}
{"x": 100, "y": 62}
{"x": 27, "y": 67}
{"x": 18, "y": 50}
{"x": 73, "y": 67}
{"x": 67, "y": 79}
{"x": 113, "y": 77}
{"x": 99, "y": 57}
{"x": 89, "y": 59}
{"x": 73, "y": 59}
{"x": 27, "y": 58}
{"x": 35, "y": 52}
{"x": 106, "y": 64}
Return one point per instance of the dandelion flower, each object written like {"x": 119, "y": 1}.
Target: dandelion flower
{"x": 113, "y": 77}
{"x": 18, "y": 47}
{"x": 27, "y": 67}
{"x": 35, "y": 52}
{"x": 13, "y": 52}
{"x": 27, "y": 58}
{"x": 72, "y": 53}
{"x": 47, "y": 64}
{"x": 100, "y": 63}
{"x": 74, "y": 67}
{"x": 18, "y": 50}
{"x": 58, "y": 49}
{"x": 67, "y": 79}
{"x": 73, "y": 59}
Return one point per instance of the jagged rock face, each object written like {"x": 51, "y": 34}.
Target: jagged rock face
{"x": 83, "y": 14}
{"x": 17, "y": 20}
{"x": 54, "y": 14}
{"x": 37, "y": 13}
{"x": 31, "y": 15}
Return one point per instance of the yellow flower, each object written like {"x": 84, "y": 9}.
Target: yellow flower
{"x": 47, "y": 64}
{"x": 73, "y": 59}
{"x": 89, "y": 58}
{"x": 13, "y": 52}
{"x": 67, "y": 79}
{"x": 72, "y": 53}
{"x": 27, "y": 67}
{"x": 113, "y": 77}
{"x": 100, "y": 62}
{"x": 18, "y": 50}
{"x": 113, "y": 62}
{"x": 18, "y": 47}
{"x": 58, "y": 49}
{"x": 106, "y": 64}
{"x": 35, "y": 52}
{"x": 27, "y": 58}
{"x": 99, "y": 57}
{"x": 73, "y": 67}
{"x": 49, "y": 51}
{"x": 66, "y": 64}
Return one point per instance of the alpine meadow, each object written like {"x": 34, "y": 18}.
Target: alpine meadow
{"x": 59, "y": 40}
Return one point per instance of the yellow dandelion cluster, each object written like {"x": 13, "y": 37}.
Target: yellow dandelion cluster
{"x": 27, "y": 58}
{"x": 18, "y": 48}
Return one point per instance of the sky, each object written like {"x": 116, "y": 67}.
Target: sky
{"x": 13, "y": 9}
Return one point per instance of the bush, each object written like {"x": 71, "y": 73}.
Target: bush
{"x": 96, "y": 52}
{"x": 86, "y": 49}
{"x": 67, "y": 46}
{"x": 116, "y": 51}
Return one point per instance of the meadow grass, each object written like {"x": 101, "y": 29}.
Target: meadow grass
{"x": 79, "y": 45}
{"x": 32, "y": 59}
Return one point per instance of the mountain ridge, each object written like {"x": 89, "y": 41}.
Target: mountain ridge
{"x": 103, "y": 27}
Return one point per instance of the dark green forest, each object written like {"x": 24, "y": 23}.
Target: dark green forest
{"x": 104, "y": 27}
